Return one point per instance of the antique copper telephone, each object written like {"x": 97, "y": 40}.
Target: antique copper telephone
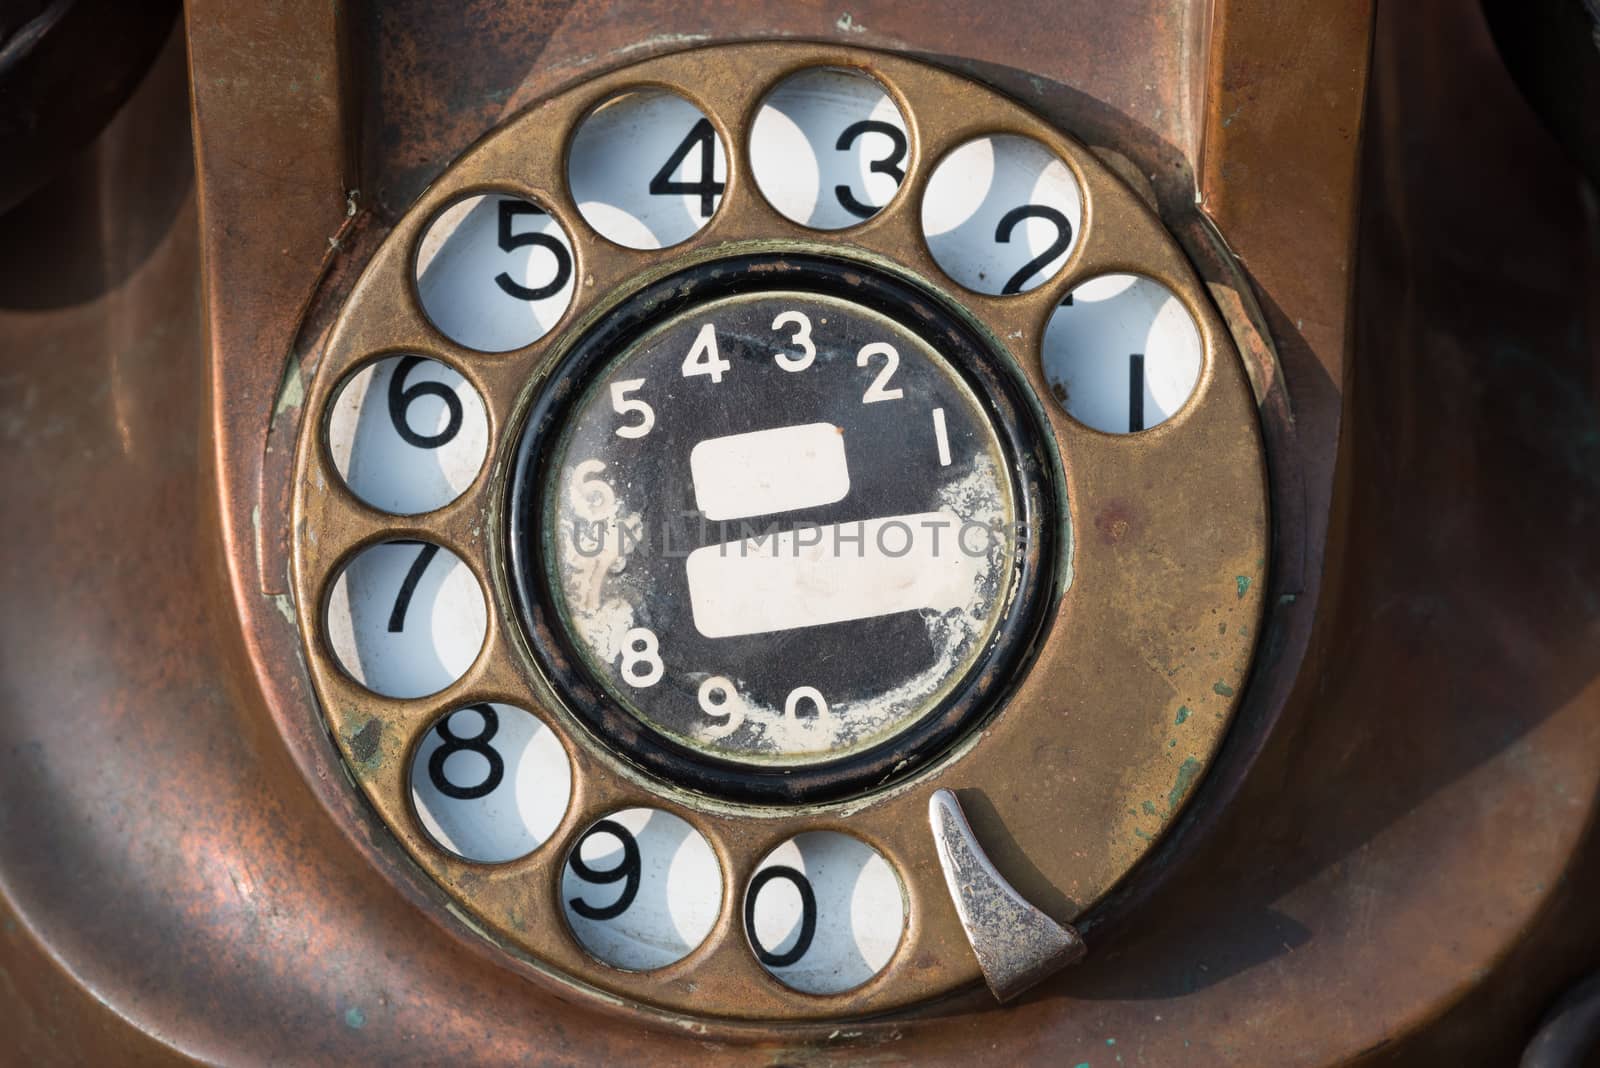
{"x": 587, "y": 532}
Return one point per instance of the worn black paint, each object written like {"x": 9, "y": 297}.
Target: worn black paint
{"x": 988, "y": 372}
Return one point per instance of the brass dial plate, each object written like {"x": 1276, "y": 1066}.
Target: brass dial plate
{"x": 1143, "y": 656}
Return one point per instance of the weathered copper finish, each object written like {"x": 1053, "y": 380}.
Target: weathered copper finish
{"x": 1405, "y": 876}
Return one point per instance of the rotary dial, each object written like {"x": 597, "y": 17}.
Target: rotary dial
{"x": 766, "y": 513}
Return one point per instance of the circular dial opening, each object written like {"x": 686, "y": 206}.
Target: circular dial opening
{"x": 779, "y": 530}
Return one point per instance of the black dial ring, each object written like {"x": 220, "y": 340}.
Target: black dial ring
{"x": 1032, "y": 470}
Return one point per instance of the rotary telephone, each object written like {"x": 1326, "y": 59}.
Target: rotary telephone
{"x": 587, "y": 532}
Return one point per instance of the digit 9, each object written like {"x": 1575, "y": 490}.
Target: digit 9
{"x": 641, "y": 889}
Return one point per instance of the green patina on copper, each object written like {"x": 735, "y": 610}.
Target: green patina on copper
{"x": 364, "y": 743}
{"x": 1186, "y": 776}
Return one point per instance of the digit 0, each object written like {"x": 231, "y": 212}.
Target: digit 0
{"x": 791, "y": 704}
{"x": 808, "y": 915}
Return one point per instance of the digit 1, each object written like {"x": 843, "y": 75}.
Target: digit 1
{"x": 1135, "y": 392}
{"x": 941, "y": 437}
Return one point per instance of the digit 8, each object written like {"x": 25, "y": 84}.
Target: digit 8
{"x": 478, "y": 743}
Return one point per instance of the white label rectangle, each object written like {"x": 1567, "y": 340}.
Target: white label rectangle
{"x": 829, "y": 574}
{"x": 767, "y": 471}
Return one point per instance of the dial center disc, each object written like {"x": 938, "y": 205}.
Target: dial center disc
{"x": 775, "y": 532}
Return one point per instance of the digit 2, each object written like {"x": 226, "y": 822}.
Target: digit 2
{"x": 1008, "y": 223}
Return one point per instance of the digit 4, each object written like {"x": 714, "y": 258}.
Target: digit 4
{"x": 703, "y": 358}
{"x": 708, "y": 189}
